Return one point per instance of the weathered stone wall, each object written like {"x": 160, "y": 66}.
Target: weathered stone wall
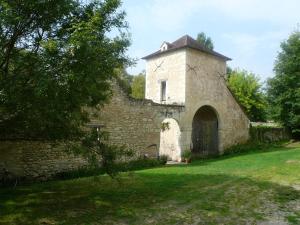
{"x": 35, "y": 159}
{"x": 134, "y": 123}
{"x": 201, "y": 77}
{"x": 193, "y": 78}
{"x": 206, "y": 86}
{"x": 169, "y": 67}
{"x": 269, "y": 134}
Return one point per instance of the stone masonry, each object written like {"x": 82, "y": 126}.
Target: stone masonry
{"x": 132, "y": 123}
{"x": 193, "y": 79}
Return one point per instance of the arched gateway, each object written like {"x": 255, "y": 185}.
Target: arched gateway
{"x": 205, "y": 135}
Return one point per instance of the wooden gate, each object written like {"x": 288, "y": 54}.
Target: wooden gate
{"x": 205, "y": 132}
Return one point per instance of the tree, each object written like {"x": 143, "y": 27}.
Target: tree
{"x": 247, "y": 89}
{"x": 284, "y": 89}
{"x": 124, "y": 80}
{"x": 229, "y": 71}
{"x": 206, "y": 41}
{"x": 138, "y": 86}
{"x": 56, "y": 58}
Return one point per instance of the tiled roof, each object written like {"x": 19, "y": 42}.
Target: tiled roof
{"x": 186, "y": 42}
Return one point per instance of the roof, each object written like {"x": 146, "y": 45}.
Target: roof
{"x": 186, "y": 42}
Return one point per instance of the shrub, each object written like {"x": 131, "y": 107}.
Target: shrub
{"x": 163, "y": 159}
{"x": 251, "y": 146}
{"x": 187, "y": 154}
{"x": 141, "y": 163}
{"x": 138, "y": 164}
{"x": 8, "y": 179}
{"x": 80, "y": 172}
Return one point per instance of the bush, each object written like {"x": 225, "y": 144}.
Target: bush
{"x": 8, "y": 179}
{"x": 251, "y": 146}
{"x": 138, "y": 164}
{"x": 187, "y": 154}
{"x": 163, "y": 159}
{"x": 141, "y": 163}
{"x": 80, "y": 172}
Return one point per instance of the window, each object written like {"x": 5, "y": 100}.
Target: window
{"x": 164, "y": 47}
{"x": 163, "y": 87}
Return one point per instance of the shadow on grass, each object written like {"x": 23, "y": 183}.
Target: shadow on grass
{"x": 145, "y": 198}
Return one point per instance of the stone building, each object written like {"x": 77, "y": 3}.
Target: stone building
{"x": 191, "y": 107}
{"x": 187, "y": 107}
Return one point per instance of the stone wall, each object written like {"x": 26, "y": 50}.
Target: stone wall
{"x": 36, "y": 160}
{"x": 134, "y": 123}
{"x": 269, "y": 134}
{"x": 196, "y": 79}
{"x": 206, "y": 86}
{"x": 193, "y": 78}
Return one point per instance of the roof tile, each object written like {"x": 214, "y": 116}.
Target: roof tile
{"x": 186, "y": 42}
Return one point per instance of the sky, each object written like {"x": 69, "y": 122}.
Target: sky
{"x": 248, "y": 31}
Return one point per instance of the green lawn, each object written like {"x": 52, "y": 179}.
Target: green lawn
{"x": 254, "y": 188}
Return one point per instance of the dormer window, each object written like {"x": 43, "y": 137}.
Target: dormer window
{"x": 164, "y": 47}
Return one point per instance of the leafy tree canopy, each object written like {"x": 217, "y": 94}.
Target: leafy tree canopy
{"x": 138, "y": 86}
{"x": 284, "y": 89}
{"x": 124, "y": 80}
{"x": 205, "y": 40}
{"x": 247, "y": 89}
{"x": 56, "y": 58}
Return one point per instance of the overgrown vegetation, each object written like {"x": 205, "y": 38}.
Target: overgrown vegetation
{"x": 138, "y": 86}
{"x": 186, "y": 155}
{"x": 56, "y": 58}
{"x": 132, "y": 85}
{"x": 247, "y": 89}
{"x": 102, "y": 155}
{"x": 253, "y": 146}
{"x": 124, "y": 80}
{"x": 132, "y": 165}
{"x": 104, "y": 158}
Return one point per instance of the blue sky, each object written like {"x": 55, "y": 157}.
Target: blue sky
{"x": 248, "y": 31}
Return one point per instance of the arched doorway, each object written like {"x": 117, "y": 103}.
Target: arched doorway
{"x": 169, "y": 139}
{"x": 205, "y": 140}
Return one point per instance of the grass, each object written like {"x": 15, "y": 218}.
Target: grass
{"x": 250, "y": 188}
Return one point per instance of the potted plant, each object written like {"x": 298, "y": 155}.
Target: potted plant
{"x": 186, "y": 156}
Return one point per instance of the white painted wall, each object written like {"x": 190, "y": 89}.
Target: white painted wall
{"x": 170, "y": 140}
{"x": 171, "y": 68}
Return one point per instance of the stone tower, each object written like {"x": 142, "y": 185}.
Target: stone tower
{"x": 186, "y": 73}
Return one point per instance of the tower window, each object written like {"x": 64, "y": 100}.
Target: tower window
{"x": 163, "y": 87}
